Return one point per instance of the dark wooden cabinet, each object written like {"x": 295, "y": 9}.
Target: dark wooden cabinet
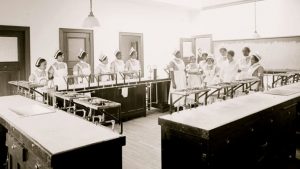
{"x": 54, "y": 140}
{"x": 132, "y": 106}
{"x": 262, "y": 139}
{"x": 160, "y": 95}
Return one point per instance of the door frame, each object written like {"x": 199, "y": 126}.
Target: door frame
{"x": 141, "y": 36}
{"x": 26, "y": 31}
{"x": 73, "y": 30}
{"x": 205, "y": 36}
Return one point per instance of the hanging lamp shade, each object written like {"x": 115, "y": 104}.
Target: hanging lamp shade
{"x": 91, "y": 21}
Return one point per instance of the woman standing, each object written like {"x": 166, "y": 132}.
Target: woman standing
{"x": 178, "y": 77}
{"x": 117, "y": 65}
{"x": 211, "y": 72}
{"x": 82, "y": 68}
{"x": 230, "y": 69}
{"x": 58, "y": 70}
{"x": 102, "y": 68}
{"x": 133, "y": 65}
{"x": 39, "y": 76}
{"x": 256, "y": 70}
{"x": 195, "y": 73}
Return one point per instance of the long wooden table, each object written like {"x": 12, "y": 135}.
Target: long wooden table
{"x": 246, "y": 132}
{"x": 38, "y": 136}
{"x": 134, "y": 105}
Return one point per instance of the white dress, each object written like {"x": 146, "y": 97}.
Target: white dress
{"x": 133, "y": 65}
{"x": 83, "y": 69}
{"x": 178, "y": 67}
{"x": 194, "y": 80}
{"x": 60, "y": 71}
{"x": 244, "y": 65}
{"x": 103, "y": 68}
{"x": 117, "y": 66}
{"x": 229, "y": 71}
{"x": 211, "y": 75}
{"x": 40, "y": 77}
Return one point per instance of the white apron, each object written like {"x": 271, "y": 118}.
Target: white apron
{"x": 251, "y": 71}
{"x": 102, "y": 68}
{"x": 193, "y": 80}
{"x": 60, "y": 71}
{"x": 40, "y": 77}
{"x": 244, "y": 66}
{"x": 133, "y": 65}
{"x": 211, "y": 75}
{"x": 180, "y": 81}
{"x": 116, "y": 67}
{"x": 84, "y": 70}
{"x": 229, "y": 72}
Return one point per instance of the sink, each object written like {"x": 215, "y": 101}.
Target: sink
{"x": 31, "y": 110}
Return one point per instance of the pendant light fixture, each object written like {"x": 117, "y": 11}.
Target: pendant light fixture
{"x": 255, "y": 34}
{"x": 91, "y": 21}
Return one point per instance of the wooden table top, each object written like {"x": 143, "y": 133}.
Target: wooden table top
{"x": 113, "y": 83}
{"x": 206, "y": 118}
{"x": 186, "y": 92}
{"x": 88, "y": 102}
{"x": 25, "y": 84}
{"x": 56, "y": 132}
{"x": 69, "y": 96}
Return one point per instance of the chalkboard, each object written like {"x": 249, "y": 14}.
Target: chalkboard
{"x": 277, "y": 53}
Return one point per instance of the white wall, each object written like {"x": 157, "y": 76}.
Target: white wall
{"x": 161, "y": 25}
{"x": 274, "y": 18}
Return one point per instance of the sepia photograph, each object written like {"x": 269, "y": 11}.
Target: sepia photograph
{"x": 149, "y": 84}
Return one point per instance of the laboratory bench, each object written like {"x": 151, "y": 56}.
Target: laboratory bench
{"x": 34, "y": 135}
{"x": 135, "y": 95}
{"x": 251, "y": 131}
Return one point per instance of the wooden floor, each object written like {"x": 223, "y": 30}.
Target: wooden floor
{"x": 143, "y": 148}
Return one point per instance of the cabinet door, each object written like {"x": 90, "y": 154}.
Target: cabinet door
{"x": 16, "y": 153}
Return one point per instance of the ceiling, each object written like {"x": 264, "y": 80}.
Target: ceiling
{"x": 203, "y": 4}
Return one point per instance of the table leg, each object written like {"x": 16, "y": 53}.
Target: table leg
{"x": 120, "y": 119}
{"x": 205, "y": 100}
{"x": 171, "y": 103}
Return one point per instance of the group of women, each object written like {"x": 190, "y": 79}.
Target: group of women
{"x": 207, "y": 70}
{"x": 58, "y": 71}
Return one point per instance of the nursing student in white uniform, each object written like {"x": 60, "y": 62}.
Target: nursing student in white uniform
{"x": 211, "y": 73}
{"x": 102, "y": 68}
{"x": 256, "y": 70}
{"x": 203, "y": 61}
{"x": 244, "y": 63}
{"x": 82, "y": 68}
{"x": 230, "y": 69}
{"x": 132, "y": 64}
{"x": 194, "y": 77}
{"x": 117, "y": 65}
{"x": 195, "y": 73}
{"x": 178, "y": 77}
{"x": 39, "y": 76}
{"x": 58, "y": 70}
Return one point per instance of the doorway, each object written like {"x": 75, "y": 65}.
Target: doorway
{"x": 127, "y": 41}
{"x": 72, "y": 41}
{"x": 14, "y": 56}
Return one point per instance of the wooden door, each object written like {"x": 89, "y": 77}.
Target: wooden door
{"x": 14, "y": 56}
{"x": 129, "y": 40}
{"x": 187, "y": 46}
{"x": 72, "y": 41}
